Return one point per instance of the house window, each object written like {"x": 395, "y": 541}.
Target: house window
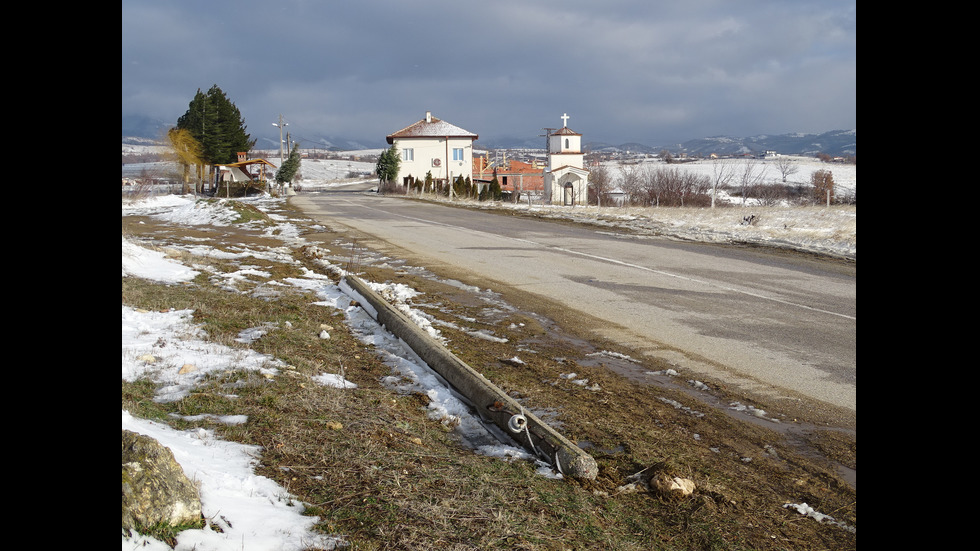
{"x": 408, "y": 154}
{"x": 566, "y": 143}
{"x": 457, "y": 153}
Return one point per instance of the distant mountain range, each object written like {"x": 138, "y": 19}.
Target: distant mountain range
{"x": 136, "y": 130}
{"x": 834, "y": 143}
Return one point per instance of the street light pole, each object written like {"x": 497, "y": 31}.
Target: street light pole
{"x": 280, "y": 126}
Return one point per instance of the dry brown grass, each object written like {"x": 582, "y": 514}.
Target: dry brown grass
{"x": 372, "y": 466}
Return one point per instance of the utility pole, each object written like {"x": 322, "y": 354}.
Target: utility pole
{"x": 547, "y": 139}
{"x": 280, "y": 126}
{"x": 547, "y": 152}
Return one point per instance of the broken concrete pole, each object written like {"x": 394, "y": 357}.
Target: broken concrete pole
{"x": 491, "y": 402}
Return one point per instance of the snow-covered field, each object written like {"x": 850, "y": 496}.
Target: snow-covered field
{"x": 255, "y": 513}
{"x": 763, "y": 171}
{"x": 313, "y": 172}
{"x": 316, "y": 173}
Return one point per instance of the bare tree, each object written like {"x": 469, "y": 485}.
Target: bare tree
{"x": 632, "y": 185}
{"x": 695, "y": 189}
{"x": 600, "y": 184}
{"x": 768, "y": 194}
{"x": 750, "y": 177}
{"x": 723, "y": 172}
{"x": 786, "y": 167}
{"x": 674, "y": 188}
{"x": 653, "y": 185}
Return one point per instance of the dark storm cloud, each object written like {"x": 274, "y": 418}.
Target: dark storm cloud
{"x": 623, "y": 70}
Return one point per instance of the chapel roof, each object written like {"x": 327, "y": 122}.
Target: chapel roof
{"x": 570, "y": 168}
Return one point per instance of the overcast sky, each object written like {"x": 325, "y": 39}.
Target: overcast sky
{"x": 623, "y": 70}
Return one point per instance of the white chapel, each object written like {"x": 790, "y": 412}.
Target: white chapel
{"x": 566, "y": 181}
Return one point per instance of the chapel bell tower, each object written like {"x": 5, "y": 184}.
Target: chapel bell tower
{"x": 566, "y": 180}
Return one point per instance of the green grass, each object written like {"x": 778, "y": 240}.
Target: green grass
{"x": 165, "y": 532}
{"x": 248, "y": 213}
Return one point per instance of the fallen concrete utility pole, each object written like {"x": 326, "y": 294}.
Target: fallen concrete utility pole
{"x": 491, "y": 402}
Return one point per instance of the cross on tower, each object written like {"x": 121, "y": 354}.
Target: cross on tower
{"x": 564, "y": 119}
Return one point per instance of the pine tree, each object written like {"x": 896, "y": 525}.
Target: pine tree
{"x": 388, "y": 164}
{"x": 495, "y": 192}
{"x": 217, "y": 124}
{"x": 289, "y": 167}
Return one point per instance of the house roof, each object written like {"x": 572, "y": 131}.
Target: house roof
{"x": 431, "y": 127}
{"x": 250, "y": 162}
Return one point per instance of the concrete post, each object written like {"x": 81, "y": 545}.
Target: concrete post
{"x": 491, "y": 402}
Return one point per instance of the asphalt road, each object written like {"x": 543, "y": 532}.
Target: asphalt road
{"x": 776, "y": 325}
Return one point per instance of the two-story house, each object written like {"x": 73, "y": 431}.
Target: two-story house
{"x": 436, "y": 146}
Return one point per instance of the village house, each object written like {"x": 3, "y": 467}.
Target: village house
{"x": 245, "y": 169}
{"x": 517, "y": 179}
{"x": 246, "y": 173}
{"x": 436, "y": 146}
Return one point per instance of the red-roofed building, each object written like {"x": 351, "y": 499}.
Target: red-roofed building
{"x": 516, "y": 178}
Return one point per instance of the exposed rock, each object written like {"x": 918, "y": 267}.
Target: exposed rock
{"x": 676, "y": 486}
{"x": 660, "y": 482}
{"x": 155, "y": 489}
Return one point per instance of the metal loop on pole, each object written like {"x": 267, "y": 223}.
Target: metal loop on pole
{"x": 517, "y": 423}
